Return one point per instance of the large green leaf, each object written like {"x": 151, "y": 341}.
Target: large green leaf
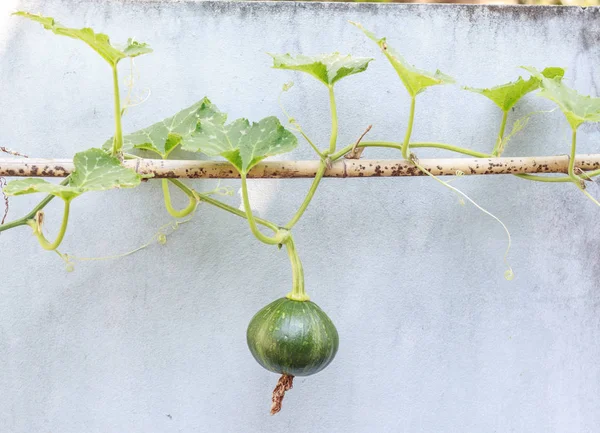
{"x": 98, "y": 41}
{"x": 327, "y": 68}
{"x": 507, "y": 95}
{"x": 164, "y": 136}
{"x": 95, "y": 170}
{"x": 576, "y": 107}
{"x": 415, "y": 80}
{"x": 241, "y": 143}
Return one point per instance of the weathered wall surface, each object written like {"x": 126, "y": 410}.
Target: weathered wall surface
{"x": 433, "y": 339}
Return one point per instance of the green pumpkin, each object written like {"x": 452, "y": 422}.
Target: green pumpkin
{"x": 292, "y": 337}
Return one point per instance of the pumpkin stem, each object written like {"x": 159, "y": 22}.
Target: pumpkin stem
{"x": 298, "y": 293}
{"x": 284, "y": 384}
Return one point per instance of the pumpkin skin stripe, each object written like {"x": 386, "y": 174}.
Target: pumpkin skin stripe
{"x": 292, "y": 337}
{"x": 269, "y": 328}
{"x": 323, "y": 338}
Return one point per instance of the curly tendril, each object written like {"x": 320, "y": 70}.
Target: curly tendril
{"x": 508, "y": 274}
{"x": 159, "y": 237}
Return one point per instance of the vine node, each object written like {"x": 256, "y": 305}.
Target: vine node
{"x": 413, "y": 159}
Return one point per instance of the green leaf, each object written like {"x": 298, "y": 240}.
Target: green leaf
{"x": 164, "y": 136}
{"x": 33, "y": 185}
{"x": 95, "y": 170}
{"x": 415, "y": 80}
{"x": 98, "y": 41}
{"x": 327, "y": 68}
{"x": 576, "y": 107}
{"x": 507, "y": 95}
{"x": 241, "y": 143}
{"x": 135, "y": 48}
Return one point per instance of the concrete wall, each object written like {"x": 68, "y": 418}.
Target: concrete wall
{"x": 433, "y": 339}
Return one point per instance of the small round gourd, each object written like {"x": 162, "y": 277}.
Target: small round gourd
{"x": 292, "y": 337}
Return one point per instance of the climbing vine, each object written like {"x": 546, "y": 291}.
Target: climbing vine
{"x": 291, "y": 336}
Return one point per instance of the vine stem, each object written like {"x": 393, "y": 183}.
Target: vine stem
{"x": 451, "y": 148}
{"x": 298, "y": 293}
{"x": 537, "y": 178}
{"x": 275, "y": 240}
{"x": 576, "y": 179}
{"x": 118, "y": 140}
{"x": 456, "y": 149}
{"x": 309, "y": 196}
{"x": 325, "y": 159}
{"x": 497, "y": 147}
{"x": 193, "y": 201}
{"x": 219, "y": 204}
{"x": 31, "y": 215}
{"x": 411, "y": 119}
{"x": 395, "y": 145}
{"x": 36, "y": 225}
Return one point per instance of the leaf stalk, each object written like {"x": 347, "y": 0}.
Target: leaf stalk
{"x": 36, "y": 225}
{"x": 411, "y": 119}
{"x": 118, "y": 140}
{"x": 571, "y": 171}
{"x": 498, "y": 147}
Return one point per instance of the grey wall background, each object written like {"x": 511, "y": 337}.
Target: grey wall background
{"x": 433, "y": 339}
